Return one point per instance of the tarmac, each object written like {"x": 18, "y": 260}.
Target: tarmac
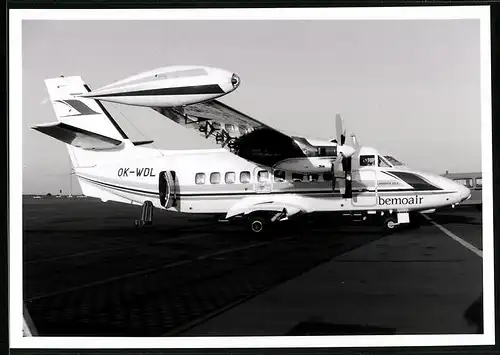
{"x": 87, "y": 271}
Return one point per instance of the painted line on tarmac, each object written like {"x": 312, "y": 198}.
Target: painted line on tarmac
{"x": 142, "y": 272}
{"x": 469, "y": 246}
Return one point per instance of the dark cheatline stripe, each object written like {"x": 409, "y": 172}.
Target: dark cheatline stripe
{"x": 415, "y": 181}
{"x": 113, "y": 122}
{"x": 185, "y": 90}
{"x": 242, "y": 194}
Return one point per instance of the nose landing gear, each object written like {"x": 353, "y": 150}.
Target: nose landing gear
{"x": 390, "y": 224}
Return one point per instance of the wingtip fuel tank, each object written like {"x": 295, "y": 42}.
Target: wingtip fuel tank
{"x": 169, "y": 87}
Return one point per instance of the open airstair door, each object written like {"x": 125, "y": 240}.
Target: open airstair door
{"x": 167, "y": 189}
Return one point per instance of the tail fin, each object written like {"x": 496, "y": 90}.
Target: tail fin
{"x": 84, "y": 124}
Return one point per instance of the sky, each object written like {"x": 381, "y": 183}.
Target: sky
{"x": 410, "y": 88}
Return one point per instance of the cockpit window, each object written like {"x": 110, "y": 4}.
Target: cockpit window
{"x": 383, "y": 163}
{"x": 393, "y": 160}
{"x": 367, "y": 160}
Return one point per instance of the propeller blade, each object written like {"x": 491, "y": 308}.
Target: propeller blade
{"x": 355, "y": 141}
{"x": 339, "y": 128}
{"x": 332, "y": 171}
{"x": 339, "y": 158}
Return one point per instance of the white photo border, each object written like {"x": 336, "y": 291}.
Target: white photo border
{"x": 394, "y": 13}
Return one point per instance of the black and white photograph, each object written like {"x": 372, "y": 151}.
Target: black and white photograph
{"x": 251, "y": 178}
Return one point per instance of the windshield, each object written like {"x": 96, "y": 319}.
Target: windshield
{"x": 382, "y": 162}
{"x": 393, "y": 160}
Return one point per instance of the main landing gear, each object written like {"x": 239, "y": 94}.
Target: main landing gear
{"x": 260, "y": 223}
{"x": 146, "y": 215}
{"x": 257, "y": 224}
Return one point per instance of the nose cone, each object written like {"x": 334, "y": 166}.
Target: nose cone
{"x": 227, "y": 80}
{"x": 464, "y": 192}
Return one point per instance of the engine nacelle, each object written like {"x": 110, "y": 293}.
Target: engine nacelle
{"x": 169, "y": 87}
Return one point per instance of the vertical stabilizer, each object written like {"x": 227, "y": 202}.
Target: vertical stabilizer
{"x": 85, "y": 119}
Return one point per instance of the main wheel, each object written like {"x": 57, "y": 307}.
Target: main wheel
{"x": 390, "y": 224}
{"x": 257, "y": 225}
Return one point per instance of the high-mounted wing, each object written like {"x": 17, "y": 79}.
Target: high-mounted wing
{"x": 238, "y": 132}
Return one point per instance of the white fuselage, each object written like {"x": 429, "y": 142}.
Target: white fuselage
{"x": 217, "y": 181}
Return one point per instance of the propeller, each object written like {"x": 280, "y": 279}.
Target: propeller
{"x": 340, "y": 140}
{"x": 341, "y": 135}
{"x": 355, "y": 142}
{"x": 339, "y": 127}
{"x": 346, "y": 152}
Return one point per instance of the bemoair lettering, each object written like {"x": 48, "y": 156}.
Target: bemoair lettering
{"x": 400, "y": 200}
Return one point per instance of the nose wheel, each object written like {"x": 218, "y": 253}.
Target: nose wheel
{"x": 390, "y": 224}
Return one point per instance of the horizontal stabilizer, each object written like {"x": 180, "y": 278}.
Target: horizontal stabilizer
{"x": 78, "y": 137}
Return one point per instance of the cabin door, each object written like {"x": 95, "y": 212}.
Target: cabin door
{"x": 364, "y": 188}
{"x": 167, "y": 188}
{"x": 262, "y": 181}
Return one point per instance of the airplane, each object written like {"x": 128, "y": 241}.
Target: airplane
{"x": 255, "y": 172}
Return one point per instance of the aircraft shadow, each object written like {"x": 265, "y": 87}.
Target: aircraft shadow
{"x": 443, "y": 218}
{"x": 474, "y": 314}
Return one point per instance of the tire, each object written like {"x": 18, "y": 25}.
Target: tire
{"x": 390, "y": 224}
{"x": 257, "y": 225}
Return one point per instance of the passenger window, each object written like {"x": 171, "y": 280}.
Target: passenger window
{"x": 479, "y": 183}
{"x": 245, "y": 177}
{"x": 279, "y": 175}
{"x": 230, "y": 177}
{"x": 199, "y": 178}
{"x": 263, "y": 176}
{"x": 367, "y": 160}
{"x": 215, "y": 178}
{"x": 297, "y": 177}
